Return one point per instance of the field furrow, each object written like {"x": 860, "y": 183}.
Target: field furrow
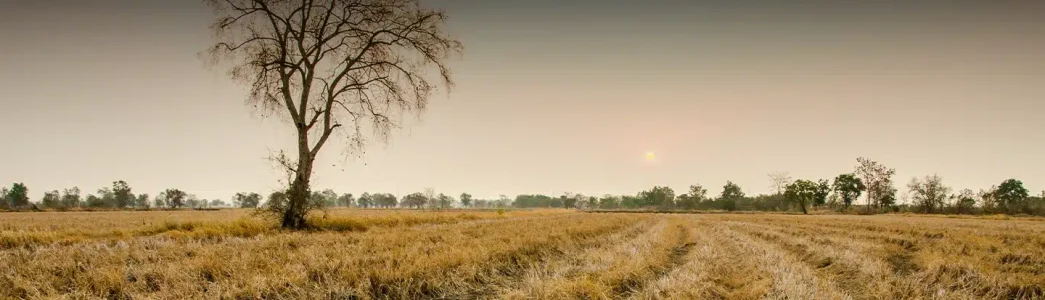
{"x": 558, "y": 254}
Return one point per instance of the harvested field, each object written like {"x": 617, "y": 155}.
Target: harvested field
{"x": 544, "y": 254}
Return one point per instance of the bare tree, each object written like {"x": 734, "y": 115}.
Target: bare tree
{"x": 779, "y": 181}
{"x": 929, "y": 192}
{"x": 877, "y": 178}
{"x": 330, "y": 67}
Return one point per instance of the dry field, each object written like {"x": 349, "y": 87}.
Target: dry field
{"x": 550, "y": 254}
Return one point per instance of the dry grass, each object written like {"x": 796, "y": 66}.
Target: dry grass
{"x": 553, "y": 254}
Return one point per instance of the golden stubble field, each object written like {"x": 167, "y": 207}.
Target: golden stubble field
{"x": 542, "y": 254}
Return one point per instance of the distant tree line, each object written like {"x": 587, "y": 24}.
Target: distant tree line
{"x": 870, "y": 180}
{"x": 119, "y": 196}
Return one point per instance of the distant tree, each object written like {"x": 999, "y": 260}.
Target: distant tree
{"x": 246, "y": 200}
{"x": 1010, "y": 195}
{"x": 660, "y": 196}
{"x": 108, "y": 198}
{"x": 71, "y": 197}
{"x": 445, "y": 201}
{"x": 779, "y": 181}
{"x": 545, "y": 201}
{"x": 93, "y": 201}
{"x": 591, "y": 202}
{"x": 877, "y": 180}
{"x": 685, "y": 201}
{"x": 609, "y": 202}
{"x": 929, "y": 193}
{"x": 329, "y": 197}
{"x": 630, "y": 201}
{"x": 823, "y": 188}
{"x": 731, "y": 193}
{"x": 414, "y": 200}
{"x": 466, "y": 200}
{"x": 160, "y": 201}
{"x": 5, "y": 203}
{"x": 346, "y": 200}
{"x": 802, "y": 192}
{"x": 365, "y": 200}
{"x": 430, "y": 198}
{"x": 174, "y": 198}
{"x": 569, "y": 201}
{"x": 193, "y": 202}
{"x": 848, "y": 187}
{"x": 142, "y": 201}
{"x": 503, "y": 201}
{"x": 698, "y": 193}
{"x": 122, "y": 194}
{"x": 987, "y": 200}
{"x": 51, "y": 200}
{"x": 219, "y": 202}
{"x": 964, "y": 201}
{"x": 18, "y": 196}
{"x": 276, "y": 201}
{"x": 384, "y": 200}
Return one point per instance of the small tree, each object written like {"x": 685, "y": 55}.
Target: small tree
{"x": 731, "y": 193}
{"x": 5, "y": 203}
{"x": 108, "y": 199}
{"x": 346, "y": 200}
{"x": 823, "y": 188}
{"x": 928, "y": 193}
{"x": 414, "y": 200}
{"x": 51, "y": 200}
{"x": 246, "y": 200}
{"x": 964, "y": 201}
{"x": 121, "y": 193}
{"x": 699, "y": 193}
{"x": 445, "y": 201}
{"x": 779, "y": 181}
{"x": 609, "y": 202}
{"x": 659, "y": 196}
{"x": 877, "y": 179}
{"x": 365, "y": 200}
{"x": 93, "y": 201}
{"x": 142, "y": 201}
{"x": 568, "y": 201}
{"x": 276, "y": 202}
{"x": 18, "y": 196}
{"x": 1010, "y": 195}
{"x": 71, "y": 197}
{"x": 801, "y": 192}
{"x": 849, "y": 187}
{"x": 174, "y": 198}
{"x": 466, "y": 200}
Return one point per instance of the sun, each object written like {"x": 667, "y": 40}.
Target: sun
{"x": 650, "y": 156}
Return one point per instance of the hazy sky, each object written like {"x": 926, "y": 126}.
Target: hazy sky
{"x": 551, "y": 98}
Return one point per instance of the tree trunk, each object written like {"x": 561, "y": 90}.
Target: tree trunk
{"x": 298, "y": 194}
{"x": 803, "y": 205}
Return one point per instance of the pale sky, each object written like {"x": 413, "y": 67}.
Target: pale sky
{"x": 551, "y": 98}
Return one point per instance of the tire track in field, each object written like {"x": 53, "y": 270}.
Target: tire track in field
{"x": 852, "y": 266}
{"x": 791, "y": 278}
{"x": 607, "y": 272}
{"x": 711, "y": 270}
{"x": 533, "y": 273}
